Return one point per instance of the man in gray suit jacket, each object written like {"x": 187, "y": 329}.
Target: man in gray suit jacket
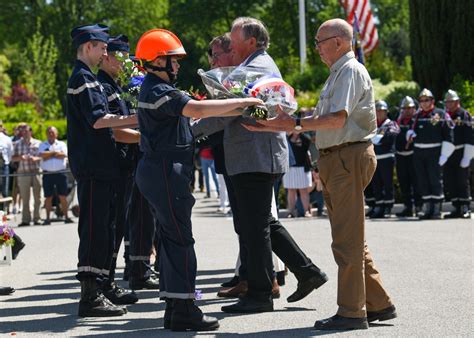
{"x": 254, "y": 161}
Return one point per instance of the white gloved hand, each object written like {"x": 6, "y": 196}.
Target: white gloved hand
{"x": 465, "y": 162}
{"x": 442, "y": 160}
{"x": 376, "y": 139}
{"x": 410, "y": 134}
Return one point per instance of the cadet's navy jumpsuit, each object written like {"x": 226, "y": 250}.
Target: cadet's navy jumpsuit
{"x": 163, "y": 176}
{"x": 94, "y": 164}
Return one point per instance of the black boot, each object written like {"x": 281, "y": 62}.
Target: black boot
{"x": 187, "y": 316}
{"x": 406, "y": 212}
{"x": 370, "y": 212}
{"x": 426, "y": 212}
{"x": 378, "y": 212}
{"x": 436, "y": 207}
{"x": 168, "y": 312}
{"x": 465, "y": 211}
{"x": 387, "y": 211}
{"x": 456, "y": 213}
{"x": 17, "y": 246}
{"x": 117, "y": 294}
{"x": 94, "y": 304}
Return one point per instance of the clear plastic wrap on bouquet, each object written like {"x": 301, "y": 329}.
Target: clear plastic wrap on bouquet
{"x": 232, "y": 82}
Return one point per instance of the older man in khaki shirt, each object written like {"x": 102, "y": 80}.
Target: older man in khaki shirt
{"x": 345, "y": 121}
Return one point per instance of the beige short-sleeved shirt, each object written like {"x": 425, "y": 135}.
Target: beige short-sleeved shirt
{"x": 348, "y": 88}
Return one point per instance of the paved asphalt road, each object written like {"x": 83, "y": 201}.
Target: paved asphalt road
{"x": 426, "y": 266}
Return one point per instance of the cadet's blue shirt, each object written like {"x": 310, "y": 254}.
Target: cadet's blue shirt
{"x": 91, "y": 152}
{"x": 163, "y": 127}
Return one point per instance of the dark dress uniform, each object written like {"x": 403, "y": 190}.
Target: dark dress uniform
{"x": 432, "y": 128}
{"x": 382, "y": 181}
{"x": 405, "y": 168}
{"x": 94, "y": 164}
{"x": 163, "y": 176}
{"x": 456, "y": 178}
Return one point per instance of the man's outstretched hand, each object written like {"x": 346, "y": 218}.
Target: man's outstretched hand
{"x": 281, "y": 122}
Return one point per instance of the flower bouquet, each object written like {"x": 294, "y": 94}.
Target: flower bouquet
{"x": 130, "y": 78}
{"x": 233, "y": 82}
{"x": 6, "y": 232}
{"x": 6, "y": 240}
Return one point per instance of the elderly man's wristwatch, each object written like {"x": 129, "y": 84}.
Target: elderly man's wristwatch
{"x": 298, "y": 126}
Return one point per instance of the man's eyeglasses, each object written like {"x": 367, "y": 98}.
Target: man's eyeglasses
{"x": 317, "y": 43}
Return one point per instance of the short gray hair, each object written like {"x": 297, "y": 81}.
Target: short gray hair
{"x": 253, "y": 28}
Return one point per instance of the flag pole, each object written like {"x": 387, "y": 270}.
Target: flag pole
{"x": 302, "y": 26}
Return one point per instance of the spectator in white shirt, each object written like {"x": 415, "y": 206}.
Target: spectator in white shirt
{"x": 54, "y": 154}
{"x": 6, "y": 151}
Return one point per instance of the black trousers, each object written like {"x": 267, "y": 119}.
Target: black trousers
{"x": 382, "y": 182}
{"x": 141, "y": 224}
{"x": 235, "y": 217}
{"x": 123, "y": 189}
{"x": 428, "y": 173}
{"x": 369, "y": 195}
{"x": 96, "y": 227}
{"x": 262, "y": 233}
{"x": 407, "y": 175}
{"x": 456, "y": 180}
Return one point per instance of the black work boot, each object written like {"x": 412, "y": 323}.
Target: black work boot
{"x": 370, "y": 212}
{"x": 426, "y": 212}
{"x": 187, "y": 316}
{"x": 406, "y": 212}
{"x": 17, "y": 246}
{"x": 117, "y": 294}
{"x": 387, "y": 211}
{"x": 378, "y": 212}
{"x": 456, "y": 213}
{"x": 465, "y": 211}
{"x": 94, "y": 304}
{"x": 436, "y": 207}
{"x": 168, "y": 312}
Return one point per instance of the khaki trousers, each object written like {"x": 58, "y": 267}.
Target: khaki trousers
{"x": 344, "y": 174}
{"x": 25, "y": 183}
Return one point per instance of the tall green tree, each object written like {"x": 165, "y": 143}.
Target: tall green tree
{"x": 39, "y": 64}
{"x": 5, "y": 81}
{"x": 441, "y": 36}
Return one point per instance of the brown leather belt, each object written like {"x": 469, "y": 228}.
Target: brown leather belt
{"x": 327, "y": 151}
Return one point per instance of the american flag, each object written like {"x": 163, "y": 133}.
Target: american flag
{"x": 360, "y": 10}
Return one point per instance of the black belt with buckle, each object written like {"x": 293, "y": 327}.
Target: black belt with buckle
{"x": 327, "y": 151}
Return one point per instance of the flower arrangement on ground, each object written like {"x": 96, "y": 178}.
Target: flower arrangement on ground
{"x": 6, "y": 232}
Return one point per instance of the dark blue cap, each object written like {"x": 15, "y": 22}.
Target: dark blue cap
{"x": 118, "y": 43}
{"x": 85, "y": 33}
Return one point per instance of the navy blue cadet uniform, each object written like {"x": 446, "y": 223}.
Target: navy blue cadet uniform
{"x": 382, "y": 181}
{"x": 432, "y": 128}
{"x": 405, "y": 168}
{"x": 94, "y": 164}
{"x": 163, "y": 176}
{"x": 456, "y": 178}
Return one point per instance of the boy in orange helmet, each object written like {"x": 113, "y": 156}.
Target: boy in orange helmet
{"x": 164, "y": 172}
